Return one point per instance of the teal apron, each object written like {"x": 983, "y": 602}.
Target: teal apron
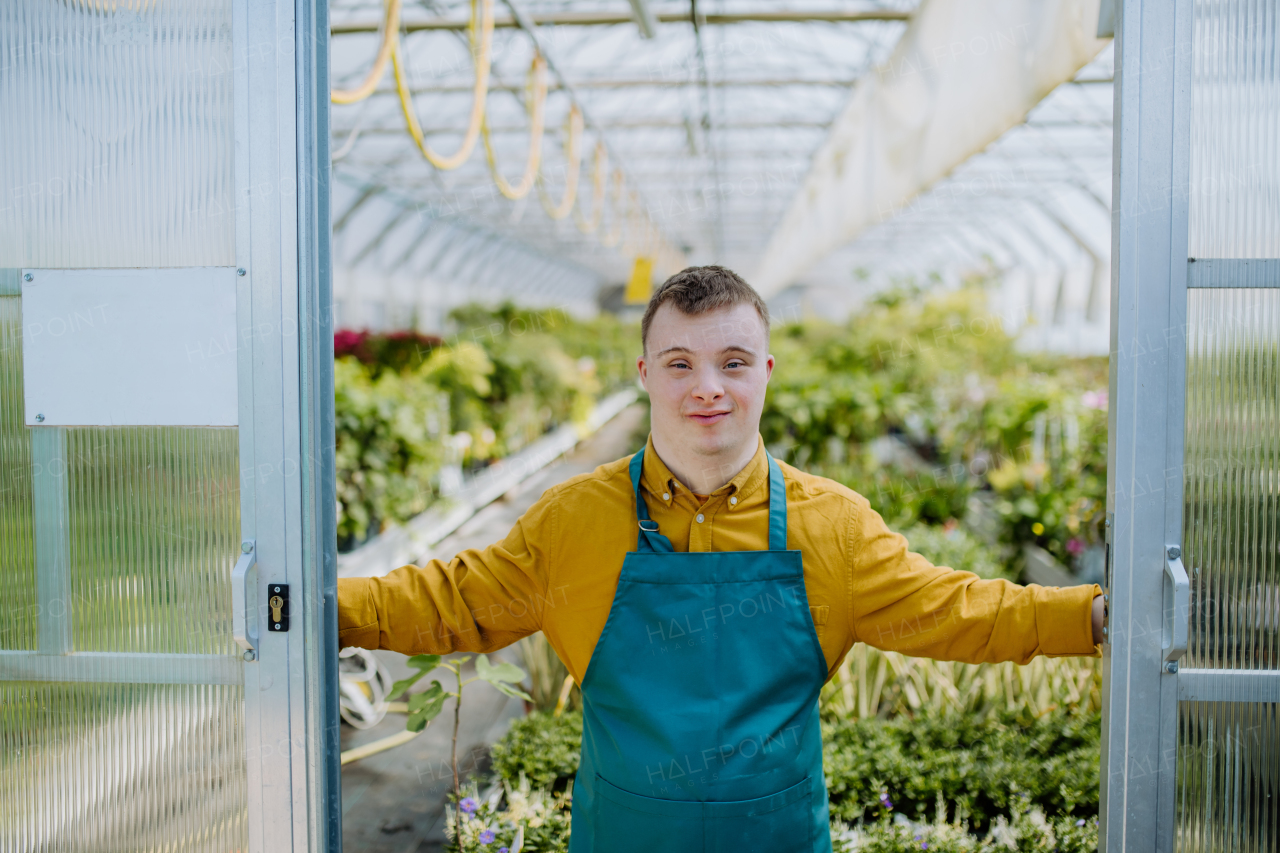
{"x": 700, "y": 703}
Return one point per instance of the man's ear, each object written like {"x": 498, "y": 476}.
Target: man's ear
{"x": 768, "y": 368}
{"x": 643, "y": 369}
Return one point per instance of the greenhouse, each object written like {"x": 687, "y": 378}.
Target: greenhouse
{"x": 618, "y": 426}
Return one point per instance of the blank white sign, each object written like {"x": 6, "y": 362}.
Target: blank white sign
{"x": 129, "y": 347}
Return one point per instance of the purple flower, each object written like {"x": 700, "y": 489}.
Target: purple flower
{"x": 487, "y": 837}
{"x": 468, "y": 805}
{"x": 924, "y": 845}
{"x": 504, "y": 850}
{"x": 1080, "y": 822}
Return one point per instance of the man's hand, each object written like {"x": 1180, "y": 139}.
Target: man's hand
{"x": 1099, "y": 617}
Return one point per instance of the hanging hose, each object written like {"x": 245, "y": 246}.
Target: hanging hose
{"x": 363, "y": 684}
{"x": 390, "y": 31}
{"x": 573, "y": 155}
{"x": 481, "y": 53}
{"x": 536, "y": 99}
{"x": 611, "y": 238}
{"x": 599, "y": 169}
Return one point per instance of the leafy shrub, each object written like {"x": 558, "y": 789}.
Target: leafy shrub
{"x": 537, "y": 819}
{"x": 953, "y": 546}
{"x": 1029, "y": 831}
{"x": 542, "y": 748}
{"x": 395, "y": 351}
{"x": 980, "y": 766}
{"x": 874, "y": 683}
{"x": 505, "y": 378}
{"x": 388, "y": 451}
{"x": 938, "y": 371}
{"x": 984, "y": 768}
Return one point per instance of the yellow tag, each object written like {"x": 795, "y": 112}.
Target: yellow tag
{"x": 640, "y": 287}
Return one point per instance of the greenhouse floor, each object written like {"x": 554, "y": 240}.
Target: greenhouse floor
{"x": 393, "y": 802}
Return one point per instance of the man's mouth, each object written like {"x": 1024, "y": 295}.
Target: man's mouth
{"x": 707, "y": 417}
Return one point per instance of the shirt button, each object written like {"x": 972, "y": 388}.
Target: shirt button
{"x": 666, "y": 496}
{"x": 699, "y": 518}
{"x": 733, "y": 501}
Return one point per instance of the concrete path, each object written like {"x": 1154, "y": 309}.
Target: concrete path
{"x": 393, "y": 802}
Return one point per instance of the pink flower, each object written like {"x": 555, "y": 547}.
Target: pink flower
{"x": 1074, "y": 546}
{"x": 1094, "y": 400}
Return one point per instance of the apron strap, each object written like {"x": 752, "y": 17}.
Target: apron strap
{"x": 777, "y": 506}
{"x": 651, "y": 540}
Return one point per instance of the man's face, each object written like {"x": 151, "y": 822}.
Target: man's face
{"x": 706, "y": 378}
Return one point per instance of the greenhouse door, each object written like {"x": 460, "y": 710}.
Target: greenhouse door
{"x": 168, "y": 632}
{"x": 1191, "y": 732}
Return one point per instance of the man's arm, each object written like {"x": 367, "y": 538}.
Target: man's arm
{"x": 479, "y": 601}
{"x": 902, "y": 602}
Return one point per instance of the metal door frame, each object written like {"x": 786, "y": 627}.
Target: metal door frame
{"x": 286, "y": 417}
{"x": 1145, "y": 585}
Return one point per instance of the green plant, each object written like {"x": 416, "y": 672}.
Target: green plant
{"x": 548, "y": 676}
{"x": 937, "y": 372}
{"x": 518, "y": 818}
{"x": 388, "y": 450}
{"x": 1029, "y": 831}
{"x": 979, "y": 765}
{"x": 953, "y": 546}
{"x": 506, "y": 377}
{"x": 542, "y": 747}
{"x": 872, "y": 683}
{"x": 426, "y": 705}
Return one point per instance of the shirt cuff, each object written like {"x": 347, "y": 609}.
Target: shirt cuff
{"x": 357, "y": 615}
{"x": 1064, "y": 619}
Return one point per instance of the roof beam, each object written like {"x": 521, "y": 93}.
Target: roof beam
{"x": 780, "y": 124}
{"x": 644, "y": 18}
{"x": 879, "y": 156}
{"x": 635, "y": 83}
{"x": 594, "y": 19}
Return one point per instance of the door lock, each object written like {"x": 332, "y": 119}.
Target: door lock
{"x": 278, "y": 602}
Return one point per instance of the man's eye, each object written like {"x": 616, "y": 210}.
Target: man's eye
{"x": 736, "y": 363}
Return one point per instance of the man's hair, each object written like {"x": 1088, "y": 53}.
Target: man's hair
{"x": 697, "y": 290}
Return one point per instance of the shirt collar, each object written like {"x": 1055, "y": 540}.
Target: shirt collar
{"x": 657, "y": 479}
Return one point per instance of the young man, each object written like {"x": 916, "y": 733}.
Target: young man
{"x": 701, "y": 594}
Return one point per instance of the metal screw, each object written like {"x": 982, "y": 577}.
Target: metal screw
{"x": 1174, "y": 552}
{"x": 1171, "y": 667}
{"x": 240, "y": 271}
{"x": 249, "y": 656}
{"x": 39, "y": 419}
{"x": 246, "y": 546}
{"x": 28, "y": 277}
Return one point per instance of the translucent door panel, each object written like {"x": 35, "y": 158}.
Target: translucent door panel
{"x": 1234, "y": 209}
{"x": 118, "y": 134}
{"x": 1190, "y": 733}
{"x": 121, "y": 767}
{"x": 1231, "y": 521}
{"x": 1228, "y": 795}
{"x": 121, "y": 698}
{"x": 122, "y": 714}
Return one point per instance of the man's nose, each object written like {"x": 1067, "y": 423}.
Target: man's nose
{"x": 708, "y": 386}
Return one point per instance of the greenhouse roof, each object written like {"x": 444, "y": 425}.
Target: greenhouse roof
{"x": 717, "y": 118}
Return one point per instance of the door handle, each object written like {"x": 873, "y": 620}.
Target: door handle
{"x": 1175, "y": 628}
{"x": 243, "y": 618}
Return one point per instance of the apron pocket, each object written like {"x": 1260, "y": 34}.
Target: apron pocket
{"x": 630, "y": 823}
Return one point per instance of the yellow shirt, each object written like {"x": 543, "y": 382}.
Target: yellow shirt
{"x": 558, "y": 568}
